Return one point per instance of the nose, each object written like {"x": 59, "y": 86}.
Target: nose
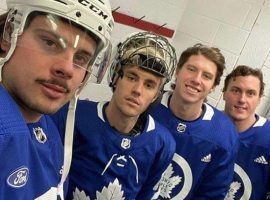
{"x": 63, "y": 66}
{"x": 242, "y": 98}
{"x": 137, "y": 88}
{"x": 197, "y": 78}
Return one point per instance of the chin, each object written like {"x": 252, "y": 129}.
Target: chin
{"x": 49, "y": 108}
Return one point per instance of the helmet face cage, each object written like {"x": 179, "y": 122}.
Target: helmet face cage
{"x": 93, "y": 16}
{"x": 148, "y": 51}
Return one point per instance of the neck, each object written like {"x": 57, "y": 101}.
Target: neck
{"x": 28, "y": 115}
{"x": 243, "y": 125}
{"x": 184, "y": 110}
{"x": 119, "y": 120}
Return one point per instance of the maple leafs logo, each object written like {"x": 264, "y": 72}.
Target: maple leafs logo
{"x": 80, "y": 195}
{"x": 112, "y": 192}
{"x": 234, "y": 187}
{"x": 167, "y": 182}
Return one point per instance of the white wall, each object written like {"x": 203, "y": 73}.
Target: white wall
{"x": 3, "y": 6}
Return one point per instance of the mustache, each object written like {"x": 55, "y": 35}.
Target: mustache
{"x": 56, "y": 82}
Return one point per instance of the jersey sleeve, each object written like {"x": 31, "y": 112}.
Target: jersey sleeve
{"x": 150, "y": 188}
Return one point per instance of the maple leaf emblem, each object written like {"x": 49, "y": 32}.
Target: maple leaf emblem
{"x": 80, "y": 195}
{"x": 234, "y": 187}
{"x": 167, "y": 182}
{"x": 112, "y": 192}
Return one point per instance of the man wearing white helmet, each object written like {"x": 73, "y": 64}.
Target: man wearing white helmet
{"x": 47, "y": 52}
{"x": 120, "y": 151}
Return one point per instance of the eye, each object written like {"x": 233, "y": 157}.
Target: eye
{"x": 191, "y": 68}
{"x": 150, "y": 85}
{"x": 234, "y": 90}
{"x": 130, "y": 77}
{"x": 49, "y": 43}
{"x": 208, "y": 76}
{"x": 82, "y": 60}
{"x": 251, "y": 93}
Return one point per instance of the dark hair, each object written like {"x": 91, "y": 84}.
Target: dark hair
{"x": 243, "y": 70}
{"x": 211, "y": 53}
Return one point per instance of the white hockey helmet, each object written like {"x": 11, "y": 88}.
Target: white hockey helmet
{"x": 94, "y": 16}
{"x": 146, "y": 50}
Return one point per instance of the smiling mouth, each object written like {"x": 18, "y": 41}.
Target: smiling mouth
{"x": 192, "y": 89}
{"x": 240, "y": 108}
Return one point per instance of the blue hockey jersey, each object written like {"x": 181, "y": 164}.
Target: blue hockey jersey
{"x": 109, "y": 165}
{"x": 31, "y": 155}
{"x": 252, "y": 170}
{"x": 206, "y": 149}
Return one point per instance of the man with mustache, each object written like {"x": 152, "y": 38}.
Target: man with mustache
{"x": 120, "y": 151}
{"x": 47, "y": 52}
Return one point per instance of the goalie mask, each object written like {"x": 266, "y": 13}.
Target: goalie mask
{"x": 147, "y": 50}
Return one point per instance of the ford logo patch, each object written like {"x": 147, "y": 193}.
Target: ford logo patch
{"x": 18, "y": 178}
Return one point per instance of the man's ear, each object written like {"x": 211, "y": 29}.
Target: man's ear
{"x": 5, "y": 39}
{"x": 158, "y": 95}
{"x": 212, "y": 89}
{"x": 5, "y": 46}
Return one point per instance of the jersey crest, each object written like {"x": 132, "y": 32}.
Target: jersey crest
{"x": 237, "y": 187}
{"x": 234, "y": 187}
{"x": 125, "y": 144}
{"x": 112, "y": 191}
{"x": 181, "y": 127}
{"x": 172, "y": 185}
{"x": 167, "y": 182}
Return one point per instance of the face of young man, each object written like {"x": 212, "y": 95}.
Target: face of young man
{"x": 47, "y": 66}
{"x": 242, "y": 96}
{"x": 135, "y": 91}
{"x": 195, "y": 80}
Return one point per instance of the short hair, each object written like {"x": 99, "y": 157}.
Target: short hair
{"x": 243, "y": 70}
{"x": 211, "y": 53}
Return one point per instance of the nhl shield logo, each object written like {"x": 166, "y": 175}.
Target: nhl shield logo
{"x": 125, "y": 144}
{"x": 40, "y": 135}
{"x": 181, "y": 127}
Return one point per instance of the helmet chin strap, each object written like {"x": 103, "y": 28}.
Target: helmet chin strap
{"x": 69, "y": 132}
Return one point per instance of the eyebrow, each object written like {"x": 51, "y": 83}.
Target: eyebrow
{"x": 146, "y": 80}
{"x": 245, "y": 90}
